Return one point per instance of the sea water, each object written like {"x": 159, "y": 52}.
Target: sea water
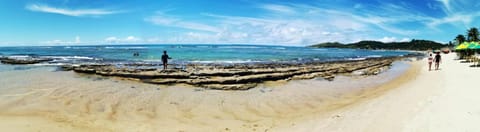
{"x": 192, "y": 53}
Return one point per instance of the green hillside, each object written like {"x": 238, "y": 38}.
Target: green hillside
{"x": 412, "y": 45}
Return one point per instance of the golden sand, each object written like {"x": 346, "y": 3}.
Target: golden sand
{"x": 39, "y": 99}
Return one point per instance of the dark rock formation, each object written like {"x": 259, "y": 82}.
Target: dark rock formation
{"x": 236, "y": 76}
{"x": 23, "y": 61}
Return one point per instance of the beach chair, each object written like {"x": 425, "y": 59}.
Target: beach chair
{"x": 470, "y": 58}
{"x": 476, "y": 60}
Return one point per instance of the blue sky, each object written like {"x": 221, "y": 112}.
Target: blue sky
{"x": 283, "y": 22}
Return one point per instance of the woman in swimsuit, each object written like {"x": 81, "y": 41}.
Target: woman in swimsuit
{"x": 430, "y": 60}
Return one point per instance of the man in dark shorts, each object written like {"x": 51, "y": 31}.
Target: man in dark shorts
{"x": 437, "y": 60}
{"x": 165, "y": 58}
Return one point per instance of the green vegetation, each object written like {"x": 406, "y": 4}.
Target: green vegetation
{"x": 472, "y": 35}
{"x": 412, "y": 45}
{"x": 329, "y": 45}
{"x": 473, "y": 38}
{"x": 460, "y": 39}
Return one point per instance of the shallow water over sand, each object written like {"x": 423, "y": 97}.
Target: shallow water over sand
{"x": 111, "y": 104}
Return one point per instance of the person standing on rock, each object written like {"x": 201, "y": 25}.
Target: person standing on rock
{"x": 165, "y": 58}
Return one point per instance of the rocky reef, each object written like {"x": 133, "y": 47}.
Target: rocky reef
{"x": 235, "y": 76}
{"x": 27, "y": 60}
{"x": 239, "y": 76}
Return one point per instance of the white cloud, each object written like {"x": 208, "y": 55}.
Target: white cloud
{"x": 169, "y": 21}
{"x": 405, "y": 40}
{"x": 271, "y": 30}
{"x": 153, "y": 40}
{"x": 132, "y": 39}
{"x": 446, "y": 4}
{"x": 393, "y": 39}
{"x": 289, "y": 31}
{"x": 454, "y": 19}
{"x": 345, "y": 20}
{"x": 313, "y": 25}
{"x": 298, "y": 24}
{"x": 278, "y": 8}
{"x": 129, "y": 39}
{"x": 69, "y": 12}
{"x": 62, "y": 42}
{"x": 457, "y": 13}
{"x": 388, "y": 39}
{"x": 77, "y": 40}
{"x": 111, "y": 40}
{"x": 54, "y": 42}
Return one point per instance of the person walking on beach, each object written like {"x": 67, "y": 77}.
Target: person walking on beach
{"x": 437, "y": 60}
{"x": 165, "y": 58}
{"x": 430, "y": 60}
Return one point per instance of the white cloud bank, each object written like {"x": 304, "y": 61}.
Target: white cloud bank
{"x": 393, "y": 39}
{"x": 278, "y": 8}
{"x": 289, "y": 24}
{"x": 69, "y": 12}
{"x": 298, "y": 25}
{"x": 129, "y": 39}
{"x": 165, "y": 20}
{"x": 76, "y": 41}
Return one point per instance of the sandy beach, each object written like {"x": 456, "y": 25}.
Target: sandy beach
{"x": 427, "y": 101}
{"x": 415, "y": 100}
{"x": 239, "y": 66}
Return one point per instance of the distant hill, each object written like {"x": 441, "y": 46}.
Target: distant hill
{"x": 412, "y": 45}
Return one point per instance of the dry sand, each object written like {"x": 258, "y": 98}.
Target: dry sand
{"x": 432, "y": 101}
{"x": 418, "y": 100}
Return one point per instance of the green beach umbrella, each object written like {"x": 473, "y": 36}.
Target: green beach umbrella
{"x": 462, "y": 46}
{"x": 473, "y": 45}
{"x": 477, "y": 46}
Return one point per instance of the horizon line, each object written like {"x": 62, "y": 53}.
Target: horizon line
{"x": 266, "y": 44}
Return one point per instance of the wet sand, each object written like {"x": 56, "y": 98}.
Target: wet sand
{"x": 41, "y": 99}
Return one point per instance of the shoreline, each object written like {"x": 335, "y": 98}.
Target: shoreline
{"x": 89, "y": 59}
{"x": 238, "y": 76}
{"x": 347, "y": 102}
{"x": 437, "y": 100}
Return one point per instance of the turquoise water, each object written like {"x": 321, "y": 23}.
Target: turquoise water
{"x": 192, "y": 53}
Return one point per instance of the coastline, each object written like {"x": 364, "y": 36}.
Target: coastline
{"x": 240, "y": 66}
{"x": 327, "y": 121}
{"x": 434, "y": 101}
{"x": 111, "y": 104}
{"x": 237, "y": 76}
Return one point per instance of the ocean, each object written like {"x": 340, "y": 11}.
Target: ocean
{"x": 199, "y": 53}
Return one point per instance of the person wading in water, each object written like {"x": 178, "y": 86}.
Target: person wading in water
{"x": 165, "y": 58}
